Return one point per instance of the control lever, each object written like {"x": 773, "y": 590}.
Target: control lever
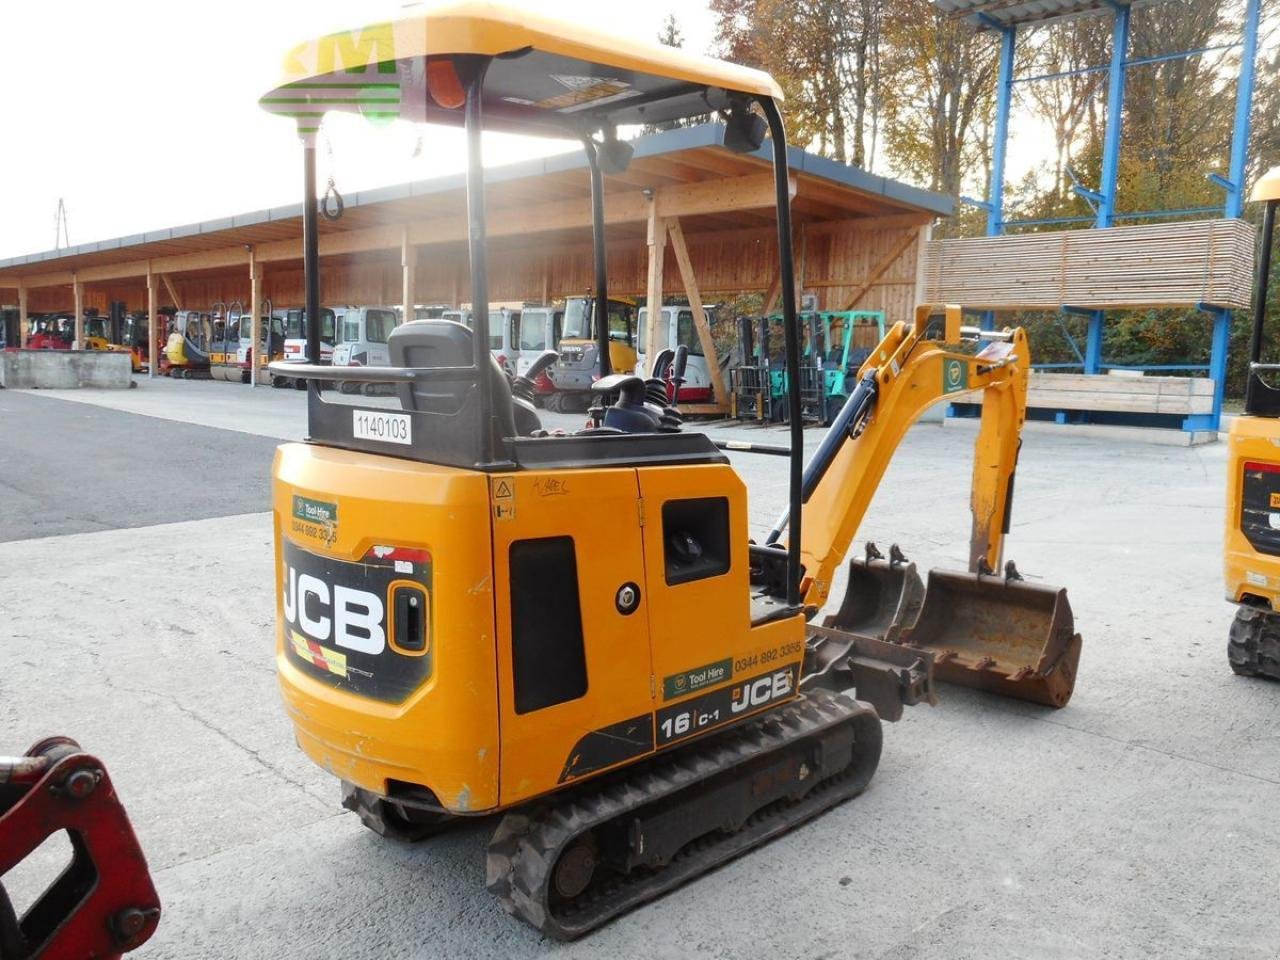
{"x": 523, "y": 385}
{"x": 662, "y": 363}
{"x": 677, "y": 375}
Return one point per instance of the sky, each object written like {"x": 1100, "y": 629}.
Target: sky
{"x": 147, "y": 112}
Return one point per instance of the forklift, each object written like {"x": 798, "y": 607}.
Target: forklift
{"x": 841, "y": 352}
{"x": 476, "y": 616}
{"x": 1252, "y": 541}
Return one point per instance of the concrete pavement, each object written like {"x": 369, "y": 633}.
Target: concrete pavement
{"x": 1137, "y": 822}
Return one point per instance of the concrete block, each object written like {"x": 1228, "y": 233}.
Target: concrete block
{"x": 64, "y": 369}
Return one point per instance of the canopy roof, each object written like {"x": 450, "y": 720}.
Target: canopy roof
{"x": 547, "y": 75}
{"x": 993, "y": 14}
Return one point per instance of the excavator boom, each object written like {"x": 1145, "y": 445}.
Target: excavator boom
{"x": 985, "y": 626}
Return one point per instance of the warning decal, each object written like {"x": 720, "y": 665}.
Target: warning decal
{"x": 583, "y": 92}
{"x": 504, "y": 498}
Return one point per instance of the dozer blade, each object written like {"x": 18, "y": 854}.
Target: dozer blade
{"x": 883, "y": 596}
{"x": 997, "y": 634}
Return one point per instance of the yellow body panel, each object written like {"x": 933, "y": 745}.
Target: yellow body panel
{"x": 600, "y": 510}
{"x": 445, "y": 734}
{"x": 490, "y": 29}
{"x": 622, "y": 356}
{"x": 1249, "y": 574}
{"x": 663, "y": 670}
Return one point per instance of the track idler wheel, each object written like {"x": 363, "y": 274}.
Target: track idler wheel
{"x": 392, "y": 820}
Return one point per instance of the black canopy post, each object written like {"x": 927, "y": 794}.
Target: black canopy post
{"x": 472, "y": 70}
{"x": 1264, "y": 277}
{"x": 791, "y": 337}
{"x": 311, "y": 250}
{"x": 600, "y": 309}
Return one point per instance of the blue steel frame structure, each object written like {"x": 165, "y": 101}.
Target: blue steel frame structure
{"x": 1103, "y": 199}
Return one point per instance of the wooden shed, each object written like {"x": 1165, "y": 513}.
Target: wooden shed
{"x": 859, "y": 239}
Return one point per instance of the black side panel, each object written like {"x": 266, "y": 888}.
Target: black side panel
{"x": 548, "y": 661}
{"x": 609, "y": 745}
{"x": 695, "y": 539}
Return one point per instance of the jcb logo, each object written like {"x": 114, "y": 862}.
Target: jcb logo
{"x": 349, "y": 52}
{"x": 759, "y": 692}
{"x": 350, "y": 618}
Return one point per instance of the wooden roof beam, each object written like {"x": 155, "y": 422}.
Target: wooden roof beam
{"x": 630, "y": 207}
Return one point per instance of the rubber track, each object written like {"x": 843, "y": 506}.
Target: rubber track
{"x": 1253, "y": 644}
{"x": 527, "y": 845}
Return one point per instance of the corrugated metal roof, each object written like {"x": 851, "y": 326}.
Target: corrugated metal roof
{"x": 986, "y": 14}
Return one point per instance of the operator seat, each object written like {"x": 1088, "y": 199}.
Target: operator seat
{"x": 446, "y": 343}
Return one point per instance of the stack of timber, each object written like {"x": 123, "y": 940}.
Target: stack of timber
{"x": 1120, "y": 392}
{"x": 1160, "y": 265}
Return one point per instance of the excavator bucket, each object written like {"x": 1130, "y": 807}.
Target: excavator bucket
{"x": 999, "y": 634}
{"x": 882, "y": 598}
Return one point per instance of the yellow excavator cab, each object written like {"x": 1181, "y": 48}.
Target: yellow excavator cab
{"x": 477, "y": 616}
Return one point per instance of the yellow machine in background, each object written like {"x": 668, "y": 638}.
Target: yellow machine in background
{"x": 474, "y": 616}
{"x": 579, "y": 364}
{"x": 1252, "y": 539}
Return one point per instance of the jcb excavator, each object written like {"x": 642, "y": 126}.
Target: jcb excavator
{"x": 1252, "y": 561}
{"x": 474, "y": 616}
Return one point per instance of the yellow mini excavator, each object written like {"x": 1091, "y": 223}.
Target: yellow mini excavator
{"x": 475, "y": 616}
{"x": 1252, "y": 540}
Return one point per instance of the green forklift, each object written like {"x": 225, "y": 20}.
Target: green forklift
{"x": 841, "y": 340}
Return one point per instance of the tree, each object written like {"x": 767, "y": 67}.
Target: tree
{"x": 939, "y": 79}
{"x": 670, "y": 34}
{"x": 826, "y": 56}
{"x": 1065, "y": 101}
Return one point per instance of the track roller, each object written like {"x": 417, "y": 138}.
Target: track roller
{"x": 568, "y": 867}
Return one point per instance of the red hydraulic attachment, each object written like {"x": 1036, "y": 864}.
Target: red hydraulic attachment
{"x": 104, "y": 903}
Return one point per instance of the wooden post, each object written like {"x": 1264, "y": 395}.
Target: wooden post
{"x": 657, "y": 240}
{"x": 168, "y": 285}
{"x": 772, "y": 294}
{"x": 22, "y": 315}
{"x": 408, "y": 274}
{"x": 255, "y": 299}
{"x": 802, "y": 262}
{"x": 546, "y": 280}
{"x": 699, "y": 314}
{"x": 153, "y": 324}
{"x": 77, "y": 292}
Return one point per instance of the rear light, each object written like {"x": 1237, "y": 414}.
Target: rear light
{"x": 444, "y": 85}
{"x": 409, "y": 617}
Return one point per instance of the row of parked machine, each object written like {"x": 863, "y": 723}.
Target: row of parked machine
{"x": 836, "y": 344}
{"x": 117, "y": 331}
{"x": 218, "y": 343}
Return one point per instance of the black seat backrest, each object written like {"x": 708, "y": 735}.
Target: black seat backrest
{"x": 446, "y": 343}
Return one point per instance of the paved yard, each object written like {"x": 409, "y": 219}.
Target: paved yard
{"x": 136, "y": 609}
